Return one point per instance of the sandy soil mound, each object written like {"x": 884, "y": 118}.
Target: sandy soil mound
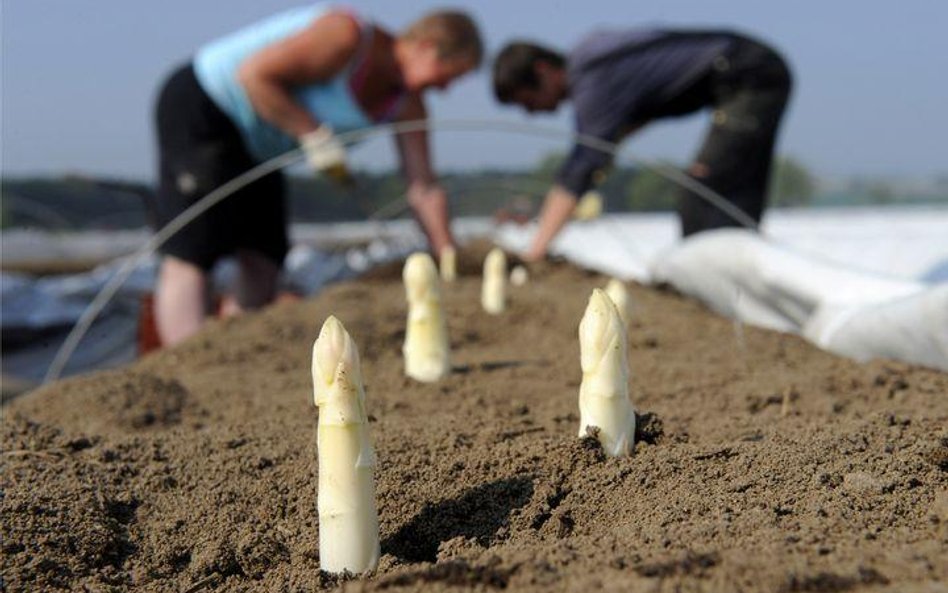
{"x": 762, "y": 464}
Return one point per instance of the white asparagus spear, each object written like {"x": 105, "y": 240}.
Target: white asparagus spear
{"x": 494, "y": 286}
{"x": 348, "y": 520}
{"x": 449, "y": 266}
{"x": 619, "y": 294}
{"x": 426, "y": 350}
{"x": 519, "y": 276}
{"x": 604, "y": 393}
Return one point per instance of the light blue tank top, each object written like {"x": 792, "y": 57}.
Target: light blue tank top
{"x": 216, "y": 65}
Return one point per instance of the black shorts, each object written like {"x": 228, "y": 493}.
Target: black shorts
{"x": 200, "y": 149}
{"x": 750, "y": 86}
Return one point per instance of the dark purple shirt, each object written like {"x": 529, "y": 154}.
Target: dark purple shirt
{"x": 622, "y": 78}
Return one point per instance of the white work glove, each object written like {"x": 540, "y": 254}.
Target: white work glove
{"x": 326, "y": 154}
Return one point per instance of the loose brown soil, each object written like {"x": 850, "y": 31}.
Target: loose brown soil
{"x": 763, "y": 464}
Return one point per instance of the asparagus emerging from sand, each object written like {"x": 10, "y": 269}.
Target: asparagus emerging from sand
{"x": 620, "y": 297}
{"x": 494, "y": 287}
{"x": 519, "y": 276}
{"x": 449, "y": 266}
{"x": 426, "y": 349}
{"x": 604, "y": 393}
{"x": 348, "y": 521}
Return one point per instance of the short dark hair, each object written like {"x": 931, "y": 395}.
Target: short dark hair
{"x": 514, "y": 68}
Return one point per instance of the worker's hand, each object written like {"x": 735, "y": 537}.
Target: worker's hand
{"x": 537, "y": 263}
{"x": 326, "y": 154}
{"x": 534, "y": 254}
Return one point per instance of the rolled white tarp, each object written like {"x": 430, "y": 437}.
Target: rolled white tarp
{"x": 863, "y": 315}
{"x": 913, "y": 329}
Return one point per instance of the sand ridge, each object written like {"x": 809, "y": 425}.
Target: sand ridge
{"x": 763, "y": 464}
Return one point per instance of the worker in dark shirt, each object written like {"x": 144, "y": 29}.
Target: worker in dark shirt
{"x": 619, "y": 81}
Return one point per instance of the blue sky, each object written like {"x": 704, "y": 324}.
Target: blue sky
{"x": 79, "y": 78}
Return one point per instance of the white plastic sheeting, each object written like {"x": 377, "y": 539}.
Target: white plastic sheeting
{"x": 849, "y": 280}
{"x": 858, "y": 282}
{"x": 37, "y": 314}
{"x": 913, "y": 328}
{"x": 857, "y": 314}
{"x": 903, "y": 242}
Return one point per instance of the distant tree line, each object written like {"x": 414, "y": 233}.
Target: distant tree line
{"x": 77, "y": 203}
{"x": 647, "y": 189}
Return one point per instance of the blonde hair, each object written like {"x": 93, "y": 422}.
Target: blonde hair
{"x": 454, "y": 33}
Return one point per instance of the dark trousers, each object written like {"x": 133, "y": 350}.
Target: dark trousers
{"x": 750, "y": 86}
{"x": 200, "y": 149}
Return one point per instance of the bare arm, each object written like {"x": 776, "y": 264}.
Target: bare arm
{"x": 558, "y": 206}
{"x": 425, "y": 195}
{"x": 315, "y": 54}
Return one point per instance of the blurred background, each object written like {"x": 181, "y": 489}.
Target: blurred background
{"x": 866, "y": 123}
{"x": 861, "y": 175}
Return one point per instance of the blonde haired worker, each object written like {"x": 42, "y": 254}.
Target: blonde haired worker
{"x": 297, "y": 78}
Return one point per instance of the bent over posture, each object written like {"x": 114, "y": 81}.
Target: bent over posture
{"x": 619, "y": 81}
{"x": 294, "y": 79}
